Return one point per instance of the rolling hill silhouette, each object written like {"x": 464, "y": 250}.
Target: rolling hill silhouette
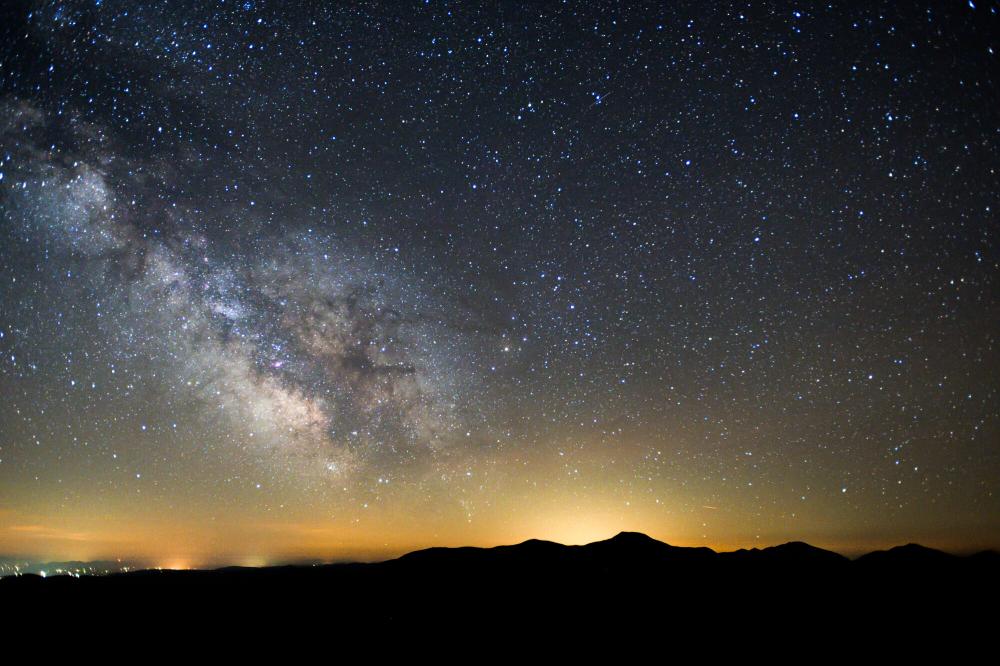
{"x": 628, "y": 578}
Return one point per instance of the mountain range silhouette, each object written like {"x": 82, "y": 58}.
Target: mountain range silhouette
{"x": 630, "y": 578}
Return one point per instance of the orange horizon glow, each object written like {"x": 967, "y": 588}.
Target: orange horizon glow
{"x": 160, "y": 543}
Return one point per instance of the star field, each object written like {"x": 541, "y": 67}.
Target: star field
{"x": 287, "y": 279}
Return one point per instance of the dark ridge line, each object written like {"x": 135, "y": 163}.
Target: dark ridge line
{"x": 635, "y": 546}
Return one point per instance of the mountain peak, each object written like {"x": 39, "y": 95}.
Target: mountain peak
{"x": 909, "y": 554}
{"x": 633, "y": 537}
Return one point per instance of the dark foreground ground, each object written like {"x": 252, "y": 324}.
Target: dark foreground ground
{"x": 631, "y": 583}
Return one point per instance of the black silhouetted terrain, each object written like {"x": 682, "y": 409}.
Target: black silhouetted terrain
{"x": 629, "y": 579}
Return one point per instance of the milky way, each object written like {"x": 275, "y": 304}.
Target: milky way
{"x": 284, "y": 278}
{"x": 314, "y": 349}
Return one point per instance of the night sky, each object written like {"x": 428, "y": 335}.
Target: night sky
{"x": 289, "y": 280}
